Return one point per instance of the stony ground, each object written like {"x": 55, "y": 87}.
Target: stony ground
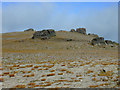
{"x": 56, "y": 63}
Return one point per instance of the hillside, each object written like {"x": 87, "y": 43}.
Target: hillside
{"x": 21, "y": 41}
{"x": 56, "y": 62}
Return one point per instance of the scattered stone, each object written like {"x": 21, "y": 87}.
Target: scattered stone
{"x": 29, "y": 30}
{"x": 44, "y": 34}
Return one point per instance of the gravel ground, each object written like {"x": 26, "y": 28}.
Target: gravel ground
{"x": 53, "y": 71}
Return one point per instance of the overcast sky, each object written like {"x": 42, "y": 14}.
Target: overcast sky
{"x": 97, "y": 17}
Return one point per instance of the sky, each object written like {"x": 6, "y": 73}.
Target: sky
{"x": 97, "y": 17}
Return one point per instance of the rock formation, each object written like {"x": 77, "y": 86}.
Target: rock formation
{"x": 72, "y": 30}
{"x": 94, "y": 35}
{"x": 29, "y": 30}
{"x": 109, "y": 42}
{"x": 44, "y": 34}
{"x": 81, "y": 30}
{"x": 101, "y": 41}
{"x": 98, "y": 41}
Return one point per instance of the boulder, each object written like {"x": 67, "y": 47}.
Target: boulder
{"x": 98, "y": 41}
{"x": 72, "y": 30}
{"x": 44, "y": 34}
{"x": 69, "y": 39}
{"x": 81, "y": 30}
{"x": 29, "y": 30}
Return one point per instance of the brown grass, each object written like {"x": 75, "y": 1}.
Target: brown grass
{"x": 11, "y": 75}
{"x": 31, "y": 83}
{"x": 43, "y": 79}
{"x": 6, "y": 73}
{"x": 36, "y": 66}
{"x": 1, "y": 68}
{"x": 29, "y": 65}
{"x": 78, "y": 75}
{"x": 52, "y": 70}
{"x": 51, "y": 74}
{"x": 93, "y": 86}
{"x": 20, "y": 86}
{"x": 89, "y": 71}
{"x": 50, "y": 66}
{"x": 62, "y": 69}
{"x": 1, "y": 80}
{"x": 60, "y": 73}
{"x": 15, "y": 65}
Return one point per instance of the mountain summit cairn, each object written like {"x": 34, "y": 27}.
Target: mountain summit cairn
{"x": 44, "y": 34}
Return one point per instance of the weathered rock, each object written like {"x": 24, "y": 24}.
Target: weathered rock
{"x": 81, "y": 30}
{"x": 72, "y": 30}
{"x": 98, "y": 41}
{"x": 94, "y": 35}
{"x": 44, "y": 34}
{"x": 29, "y": 30}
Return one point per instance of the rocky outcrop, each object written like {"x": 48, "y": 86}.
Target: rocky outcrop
{"x": 101, "y": 41}
{"x": 98, "y": 41}
{"x": 93, "y": 35}
{"x": 109, "y": 42}
{"x": 81, "y": 30}
{"x": 29, "y": 30}
{"x": 72, "y": 30}
{"x": 44, "y": 34}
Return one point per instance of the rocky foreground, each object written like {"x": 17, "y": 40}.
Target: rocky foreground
{"x": 57, "y": 63}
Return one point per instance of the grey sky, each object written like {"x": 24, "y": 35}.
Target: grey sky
{"x": 98, "y": 18}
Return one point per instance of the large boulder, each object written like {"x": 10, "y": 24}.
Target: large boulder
{"x": 81, "y": 30}
{"x": 44, "y": 34}
{"x": 30, "y": 29}
{"x": 98, "y": 41}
